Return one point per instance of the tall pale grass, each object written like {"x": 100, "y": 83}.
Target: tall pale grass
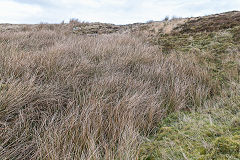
{"x": 66, "y": 96}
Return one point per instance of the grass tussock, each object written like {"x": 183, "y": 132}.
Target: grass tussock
{"x": 66, "y": 96}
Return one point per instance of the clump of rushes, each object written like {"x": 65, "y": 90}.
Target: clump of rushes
{"x": 69, "y": 96}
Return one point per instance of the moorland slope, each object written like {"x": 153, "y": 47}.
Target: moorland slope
{"x": 156, "y": 90}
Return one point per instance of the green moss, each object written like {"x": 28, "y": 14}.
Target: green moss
{"x": 3, "y": 87}
{"x": 227, "y": 145}
{"x": 165, "y": 131}
{"x": 202, "y": 135}
{"x": 236, "y": 121}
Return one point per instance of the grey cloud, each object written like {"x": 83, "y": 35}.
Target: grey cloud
{"x": 130, "y": 11}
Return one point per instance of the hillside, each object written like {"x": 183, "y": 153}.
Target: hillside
{"x": 156, "y": 90}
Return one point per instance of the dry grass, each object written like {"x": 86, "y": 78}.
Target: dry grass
{"x": 66, "y": 96}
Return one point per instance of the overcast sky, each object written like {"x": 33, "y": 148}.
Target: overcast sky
{"x": 110, "y": 11}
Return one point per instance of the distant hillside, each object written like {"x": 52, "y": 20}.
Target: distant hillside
{"x": 211, "y": 23}
{"x": 197, "y": 24}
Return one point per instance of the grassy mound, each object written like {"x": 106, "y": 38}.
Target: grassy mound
{"x": 217, "y": 52}
{"x": 212, "y": 132}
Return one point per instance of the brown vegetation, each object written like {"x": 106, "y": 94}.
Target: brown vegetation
{"x": 211, "y": 23}
{"x": 70, "y": 96}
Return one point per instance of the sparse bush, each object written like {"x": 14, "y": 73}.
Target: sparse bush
{"x": 166, "y": 18}
{"x": 175, "y": 18}
{"x": 150, "y": 21}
